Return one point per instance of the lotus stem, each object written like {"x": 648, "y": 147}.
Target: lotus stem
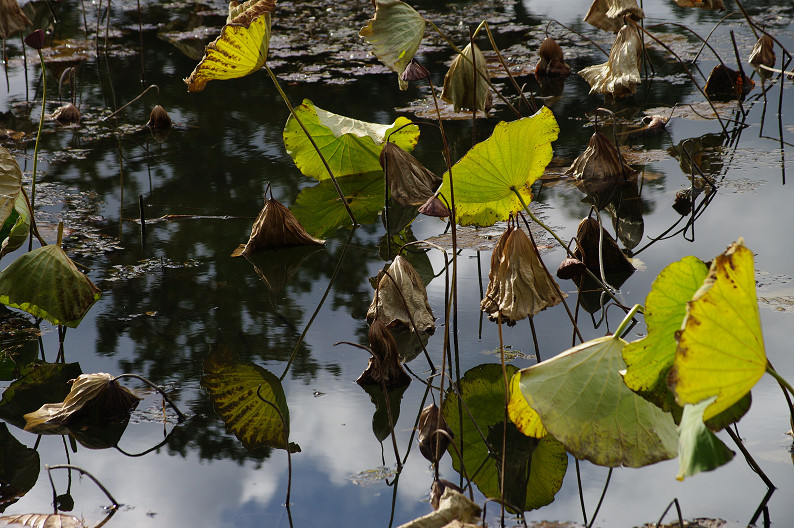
{"x": 601, "y": 500}
{"x": 136, "y": 98}
{"x": 181, "y": 416}
{"x": 749, "y": 458}
{"x": 507, "y": 70}
{"x": 311, "y": 140}
{"x": 626, "y": 320}
{"x": 36, "y": 147}
{"x": 89, "y": 475}
{"x": 286, "y": 439}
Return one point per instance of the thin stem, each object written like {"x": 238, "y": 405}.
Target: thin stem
{"x": 507, "y": 70}
{"x": 581, "y": 492}
{"x": 136, "y": 98}
{"x": 89, "y": 475}
{"x": 626, "y": 320}
{"x": 601, "y": 500}
{"x": 749, "y": 458}
{"x": 286, "y": 440}
{"x": 311, "y": 140}
{"x": 36, "y": 147}
{"x": 181, "y": 416}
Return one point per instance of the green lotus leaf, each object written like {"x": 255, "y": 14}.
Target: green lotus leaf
{"x": 47, "y": 284}
{"x": 236, "y": 389}
{"x": 320, "y": 211}
{"x": 514, "y": 156}
{"x": 649, "y": 359}
{"x": 16, "y": 228}
{"x": 39, "y": 383}
{"x": 583, "y": 402}
{"x": 698, "y": 448}
{"x": 395, "y": 33}
{"x": 10, "y": 183}
{"x": 348, "y": 145}
{"x": 460, "y": 87}
{"x": 720, "y": 347}
{"x": 534, "y": 468}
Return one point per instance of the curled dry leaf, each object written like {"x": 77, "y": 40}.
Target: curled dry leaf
{"x": 726, "y": 83}
{"x": 42, "y": 520}
{"x": 410, "y": 183}
{"x": 275, "y": 227}
{"x": 435, "y": 207}
{"x": 552, "y": 60}
{"x": 620, "y": 75}
{"x": 600, "y": 165}
{"x": 12, "y": 19}
{"x": 385, "y": 365}
{"x": 94, "y": 396}
{"x": 763, "y": 52}
{"x": 571, "y": 268}
{"x": 454, "y": 507}
{"x": 654, "y": 123}
{"x": 703, "y": 4}
{"x": 67, "y": 114}
{"x": 414, "y": 72}
{"x": 587, "y": 244}
{"x": 388, "y": 303}
{"x": 437, "y": 490}
{"x": 608, "y": 14}
{"x": 159, "y": 118}
{"x": 519, "y": 285}
{"x": 460, "y": 88}
{"x": 431, "y": 443}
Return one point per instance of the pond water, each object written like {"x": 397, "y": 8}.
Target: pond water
{"x": 172, "y": 297}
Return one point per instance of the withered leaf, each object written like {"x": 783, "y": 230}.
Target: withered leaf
{"x": 600, "y": 165}
{"x": 388, "y": 305}
{"x": 410, "y": 183}
{"x": 608, "y": 14}
{"x": 726, "y": 83}
{"x": 763, "y": 52}
{"x": 275, "y": 227}
{"x": 703, "y": 4}
{"x": 570, "y": 268}
{"x": 552, "y": 60}
{"x": 454, "y": 510}
{"x": 95, "y": 396}
{"x": 519, "y": 285}
{"x": 159, "y": 118}
{"x": 437, "y": 490}
{"x": 620, "y": 75}
{"x": 433, "y": 444}
{"x": 434, "y": 207}
{"x": 12, "y": 19}
{"x": 460, "y": 88}
{"x": 385, "y": 365}
{"x": 587, "y": 244}
{"x": 42, "y": 520}
{"x": 67, "y": 114}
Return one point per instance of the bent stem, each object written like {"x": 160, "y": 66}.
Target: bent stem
{"x": 181, "y": 416}
{"x": 311, "y": 140}
{"x": 89, "y": 475}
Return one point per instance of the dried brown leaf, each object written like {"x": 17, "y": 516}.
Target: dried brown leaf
{"x": 388, "y": 303}
{"x": 608, "y": 14}
{"x": 620, "y": 75}
{"x": 159, "y": 118}
{"x": 460, "y": 88}
{"x": 66, "y": 115}
{"x": 42, "y": 520}
{"x": 724, "y": 82}
{"x": 703, "y": 4}
{"x": 588, "y": 241}
{"x": 763, "y": 52}
{"x": 410, "y": 183}
{"x": 552, "y": 60}
{"x": 12, "y": 19}
{"x": 275, "y": 227}
{"x": 431, "y": 443}
{"x": 454, "y": 509}
{"x": 600, "y": 165}
{"x": 385, "y": 365}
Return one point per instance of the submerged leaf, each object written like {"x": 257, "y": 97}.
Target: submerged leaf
{"x": 410, "y": 183}
{"x": 47, "y": 284}
{"x": 10, "y": 183}
{"x": 400, "y": 288}
{"x": 698, "y": 448}
{"x": 513, "y": 157}
{"x": 240, "y": 49}
{"x": 348, "y": 145}
{"x": 275, "y": 227}
{"x": 460, "y": 87}
{"x": 395, "y": 33}
{"x": 583, "y": 402}
{"x": 620, "y": 75}
{"x": 519, "y": 286}
{"x": 608, "y": 14}
{"x": 720, "y": 346}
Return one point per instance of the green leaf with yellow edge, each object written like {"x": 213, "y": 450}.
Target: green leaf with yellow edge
{"x": 534, "y": 468}
{"x": 348, "y": 145}
{"x": 10, "y": 183}
{"x": 649, "y": 359}
{"x": 583, "y": 402}
{"x": 698, "y": 448}
{"x": 395, "y": 33}
{"x": 240, "y": 49}
{"x": 320, "y": 211}
{"x": 47, "y": 284}
{"x": 720, "y": 347}
{"x": 514, "y": 156}
{"x": 521, "y": 414}
{"x": 237, "y": 389}
{"x": 16, "y": 228}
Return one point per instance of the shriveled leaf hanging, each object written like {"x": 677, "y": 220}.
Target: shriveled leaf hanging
{"x": 237, "y": 390}
{"x": 399, "y": 288}
{"x": 97, "y": 397}
{"x": 620, "y": 75}
{"x": 589, "y": 239}
{"x": 384, "y": 365}
{"x": 432, "y": 443}
{"x": 16, "y": 228}
{"x": 720, "y": 346}
{"x": 763, "y": 52}
{"x": 514, "y": 156}
{"x": 240, "y": 49}
{"x": 600, "y": 166}
{"x": 348, "y": 145}
{"x": 725, "y": 83}
{"x": 395, "y": 33}
{"x": 460, "y": 87}
{"x": 583, "y": 402}
{"x": 698, "y": 448}
{"x": 42, "y": 520}
{"x": 275, "y": 227}
{"x": 454, "y": 510}
{"x": 10, "y": 182}
{"x": 410, "y": 183}
{"x": 608, "y": 14}
{"x": 519, "y": 286}
{"x": 12, "y": 18}
{"x": 648, "y": 360}
{"x": 552, "y": 60}
{"x": 47, "y": 284}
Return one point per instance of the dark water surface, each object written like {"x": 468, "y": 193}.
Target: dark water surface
{"x": 167, "y": 300}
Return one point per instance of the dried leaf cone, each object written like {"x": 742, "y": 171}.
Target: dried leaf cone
{"x": 763, "y": 52}
{"x": 608, "y": 14}
{"x": 385, "y": 365}
{"x": 67, "y": 114}
{"x": 410, "y": 183}
{"x": 600, "y": 165}
{"x": 159, "y": 118}
{"x": 587, "y": 238}
{"x": 460, "y": 88}
{"x": 388, "y": 303}
{"x": 552, "y": 60}
{"x": 430, "y": 421}
{"x": 275, "y": 227}
{"x": 620, "y": 75}
{"x": 519, "y": 285}
{"x": 12, "y": 19}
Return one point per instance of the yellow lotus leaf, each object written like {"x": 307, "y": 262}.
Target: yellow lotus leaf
{"x": 720, "y": 346}
{"x": 241, "y": 47}
{"x": 521, "y": 414}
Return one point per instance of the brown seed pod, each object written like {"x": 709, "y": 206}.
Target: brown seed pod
{"x": 552, "y": 60}
{"x": 159, "y": 118}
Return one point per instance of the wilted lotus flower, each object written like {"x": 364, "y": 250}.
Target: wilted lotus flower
{"x": 430, "y": 421}
{"x": 571, "y": 268}
{"x": 600, "y": 165}
{"x": 410, "y": 183}
{"x": 67, "y": 114}
{"x": 275, "y": 227}
{"x": 620, "y": 75}
{"x": 763, "y": 52}
{"x": 35, "y": 40}
{"x": 519, "y": 285}
{"x": 588, "y": 241}
{"x": 388, "y": 303}
{"x": 387, "y": 365}
{"x": 12, "y": 19}
{"x": 459, "y": 85}
{"x": 434, "y": 207}
{"x": 159, "y": 118}
{"x": 552, "y": 60}
{"x": 608, "y": 14}
{"x": 414, "y": 72}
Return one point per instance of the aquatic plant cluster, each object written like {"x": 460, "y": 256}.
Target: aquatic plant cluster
{"x": 509, "y": 433}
